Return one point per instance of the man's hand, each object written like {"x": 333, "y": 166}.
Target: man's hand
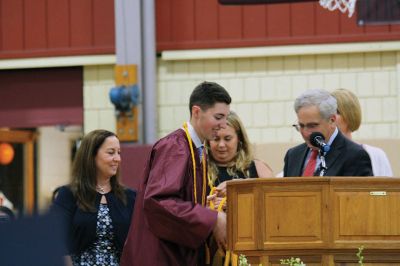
{"x": 210, "y": 198}
{"x": 220, "y": 231}
{"x": 221, "y": 189}
{"x": 213, "y": 202}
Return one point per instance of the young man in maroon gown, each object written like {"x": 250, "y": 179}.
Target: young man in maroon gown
{"x": 171, "y": 223}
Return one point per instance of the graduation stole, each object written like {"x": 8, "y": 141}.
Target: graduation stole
{"x": 203, "y": 194}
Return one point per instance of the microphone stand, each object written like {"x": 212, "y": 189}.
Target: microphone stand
{"x": 323, "y": 163}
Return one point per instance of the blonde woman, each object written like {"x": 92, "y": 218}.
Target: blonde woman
{"x": 230, "y": 156}
{"x": 349, "y": 119}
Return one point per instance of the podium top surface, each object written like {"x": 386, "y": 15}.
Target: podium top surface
{"x": 317, "y": 179}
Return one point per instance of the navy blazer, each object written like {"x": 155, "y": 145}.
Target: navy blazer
{"x": 345, "y": 158}
{"x": 80, "y": 226}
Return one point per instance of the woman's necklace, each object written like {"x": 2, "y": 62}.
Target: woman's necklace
{"x": 100, "y": 189}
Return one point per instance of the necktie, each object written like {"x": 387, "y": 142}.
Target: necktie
{"x": 312, "y": 162}
{"x": 200, "y": 151}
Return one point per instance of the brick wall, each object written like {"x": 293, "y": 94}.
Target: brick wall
{"x": 264, "y": 88}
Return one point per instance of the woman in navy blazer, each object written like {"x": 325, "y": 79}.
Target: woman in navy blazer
{"x": 95, "y": 209}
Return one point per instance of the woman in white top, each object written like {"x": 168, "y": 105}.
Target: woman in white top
{"x": 349, "y": 120}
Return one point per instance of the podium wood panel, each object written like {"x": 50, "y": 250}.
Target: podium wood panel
{"x": 245, "y": 236}
{"x": 293, "y": 218}
{"x": 321, "y": 219}
{"x": 366, "y": 213}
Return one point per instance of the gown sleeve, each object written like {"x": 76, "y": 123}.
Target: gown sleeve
{"x": 168, "y": 207}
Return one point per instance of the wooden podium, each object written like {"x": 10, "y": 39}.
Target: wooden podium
{"x": 322, "y": 220}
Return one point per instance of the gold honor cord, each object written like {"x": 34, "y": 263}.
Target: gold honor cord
{"x": 210, "y": 181}
{"x": 203, "y": 195}
{"x": 221, "y": 204}
{"x": 212, "y": 191}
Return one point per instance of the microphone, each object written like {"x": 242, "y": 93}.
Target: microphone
{"x": 318, "y": 140}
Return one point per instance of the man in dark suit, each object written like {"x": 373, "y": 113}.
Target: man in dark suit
{"x": 316, "y": 112}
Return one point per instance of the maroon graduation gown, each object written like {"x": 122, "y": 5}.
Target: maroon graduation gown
{"x": 167, "y": 228}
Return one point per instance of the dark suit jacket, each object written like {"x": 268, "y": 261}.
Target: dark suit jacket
{"x": 345, "y": 158}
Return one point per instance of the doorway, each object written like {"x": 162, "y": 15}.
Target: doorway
{"x": 17, "y": 177}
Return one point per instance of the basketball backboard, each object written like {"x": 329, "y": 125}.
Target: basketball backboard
{"x": 378, "y": 12}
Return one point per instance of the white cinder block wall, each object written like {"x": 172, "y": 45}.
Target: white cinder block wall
{"x": 263, "y": 91}
{"x": 264, "y": 88}
{"x": 98, "y": 109}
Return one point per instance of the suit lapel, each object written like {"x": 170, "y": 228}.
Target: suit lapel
{"x": 335, "y": 152}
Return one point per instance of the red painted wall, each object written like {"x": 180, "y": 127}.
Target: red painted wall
{"x": 133, "y": 163}
{"x": 56, "y": 28}
{"x": 41, "y": 97}
{"x": 194, "y": 24}
{"x": 84, "y": 27}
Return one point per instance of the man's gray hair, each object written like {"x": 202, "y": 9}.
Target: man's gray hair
{"x": 325, "y": 102}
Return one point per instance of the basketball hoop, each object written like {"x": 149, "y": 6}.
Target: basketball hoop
{"x": 342, "y": 5}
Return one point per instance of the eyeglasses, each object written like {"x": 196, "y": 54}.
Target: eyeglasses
{"x": 310, "y": 126}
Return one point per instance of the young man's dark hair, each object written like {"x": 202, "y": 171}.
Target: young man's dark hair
{"x": 206, "y": 94}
